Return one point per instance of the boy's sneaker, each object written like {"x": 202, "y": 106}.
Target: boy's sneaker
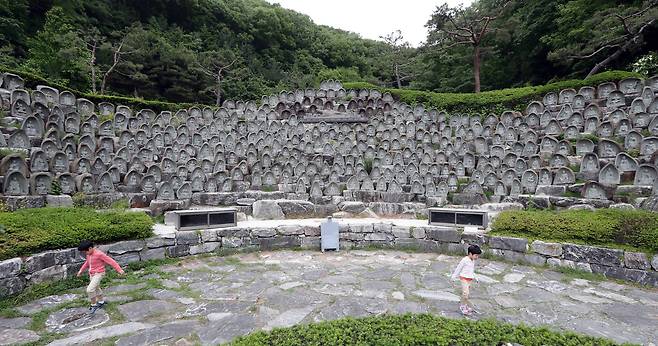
{"x": 93, "y": 308}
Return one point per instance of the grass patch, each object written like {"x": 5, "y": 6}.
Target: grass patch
{"x": 120, "y": 204}
{"x": 39, "y": 291}
{"x": 38, "y": 323}
{"x": 7, "y": 151}
{"x": 591, "y": 137}
{"x": 29, "y": 231}
{"x": 572, "y": 273}
{"x": 571, "y": 194}
{"x": 269, "y": 188}
{"x": 134, "y": 271}
{"x": 627, "y": 229}
{"x": 367, "y": 165}
{"x": 415, "y": 329}
{"x": 158, "y": 219}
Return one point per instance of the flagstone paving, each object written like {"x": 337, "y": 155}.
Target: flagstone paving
{"x": 211, "y": 300}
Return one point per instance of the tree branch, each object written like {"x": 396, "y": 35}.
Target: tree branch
{"x": 593, "y": 53}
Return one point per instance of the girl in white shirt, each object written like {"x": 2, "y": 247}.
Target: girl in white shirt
{"x": 465, "y": 271}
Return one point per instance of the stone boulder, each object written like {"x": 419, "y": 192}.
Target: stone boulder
{"x": 625, "y": 206}
{"x": 294, "y": 209}
{"x": 547, "y": 249}
{"x": 508, "y": 243}
{"x": 59, "y": 201}
{"x": 10, "y": 268}
{"x": 267, "y": 210}
{"x": 650, "y": 203}
{"x": 594, "y": 255}
{"x": 636, "y": 260}
{"x": 158, "y": 207}
{"x": 11, "y": 286}
{"x": 352, "y": 207}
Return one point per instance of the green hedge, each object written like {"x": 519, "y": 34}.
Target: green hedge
{"x": 486, "y": 102}
{"x": 32, "y": 80}
{"x": 495, "y": 101}
{"x": 422, "y": 329}
{"x": 608, "y": 227}
{"x": 28, "y": 231}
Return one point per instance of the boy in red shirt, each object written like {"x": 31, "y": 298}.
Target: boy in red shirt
{"x": 96, "y": 261}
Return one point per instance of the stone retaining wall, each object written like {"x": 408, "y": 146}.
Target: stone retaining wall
{"x": 18, "y": 273}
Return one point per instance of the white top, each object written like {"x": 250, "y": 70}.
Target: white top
{"x": 465, "y": 268}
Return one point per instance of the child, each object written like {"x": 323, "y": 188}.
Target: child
{"x": 466, "y": 273}
{"x": 95, "y": 262}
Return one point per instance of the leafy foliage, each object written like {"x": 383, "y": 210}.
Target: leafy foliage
{"x": 58, "y": 51}
{"x": 592, "y": 32}
{"x": 421, "y": 329}
{"x": 55, "y": 188}
{"x": 634, "y": 228}
{"x": 646, "y": 65}
{"x": 490, "y": 101}
{"x": 164, "y": 44}
{"x": 29, "y": 231}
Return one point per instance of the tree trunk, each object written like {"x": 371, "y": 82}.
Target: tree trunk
{"x": 609, "y": 59}
{"x": 92, "y": 64}
{"x": 103, "y": 84}
{"x": 218, "y": 92}
{"x": 476, "y": 67}
{"x": 397, "y": 76}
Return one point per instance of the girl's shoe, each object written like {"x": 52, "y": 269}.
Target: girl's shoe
{"x": 465, "y": 310}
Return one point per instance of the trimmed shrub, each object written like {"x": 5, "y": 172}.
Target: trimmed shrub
{"x": 421, "y": 329}
{"x": 28, "y": 231}
{"x": 495, "y": 101}
{"x": 630, "y": 228}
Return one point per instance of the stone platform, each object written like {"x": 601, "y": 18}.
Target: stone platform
{"x": 212, "y": 300}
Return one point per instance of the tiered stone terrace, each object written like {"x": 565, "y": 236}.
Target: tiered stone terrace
{"x": 328, "y": 146}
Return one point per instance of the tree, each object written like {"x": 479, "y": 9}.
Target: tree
{"x": 215, "y": 64}
{"x": 13, "y": 18}
{"x": 117, "y": 52}
{"x": 453, "y": 26}
{"x": 399, "y": 59}
{"x": 611, "y": 32}
{"x": 57, "y": 51}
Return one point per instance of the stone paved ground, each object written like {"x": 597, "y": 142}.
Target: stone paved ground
{"x": 211, "y": 300}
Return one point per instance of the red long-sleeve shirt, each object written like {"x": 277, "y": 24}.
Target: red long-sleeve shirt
{"x": 96, "y": 263}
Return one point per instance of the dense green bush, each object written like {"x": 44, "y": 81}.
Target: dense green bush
{"x": 495, "y": 101}
{"x": 423, "y": 329}
{"x": 28, "y": 231}
{"x": 632, "y": 228}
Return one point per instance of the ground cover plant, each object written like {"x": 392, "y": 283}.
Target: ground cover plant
{"x": 28, "y": 231}
{"x": 421, "y": 329}
{"x": 632, "y": 229}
